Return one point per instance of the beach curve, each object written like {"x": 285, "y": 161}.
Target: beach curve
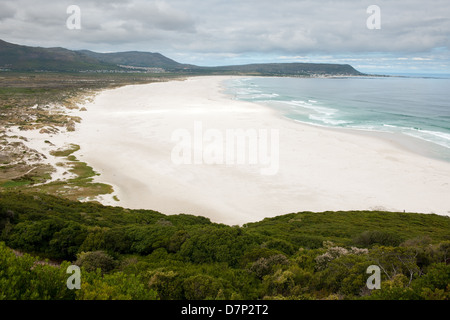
{"x": 127, "y": 136}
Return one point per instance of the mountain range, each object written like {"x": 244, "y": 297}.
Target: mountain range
{"x": 15, "y": 57}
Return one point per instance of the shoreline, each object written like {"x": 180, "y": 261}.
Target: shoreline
{"x": 406, "y": 142}
{"x": 409, "y": 144}
{"x": 125, "y": 136}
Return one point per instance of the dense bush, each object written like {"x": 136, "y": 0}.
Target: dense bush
{"x": 370, "y": 238}
{"x": 143, "y": 254}
{"x": 91, "y": 261}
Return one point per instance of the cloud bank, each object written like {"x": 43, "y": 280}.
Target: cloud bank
{"x": 221, "y": 31}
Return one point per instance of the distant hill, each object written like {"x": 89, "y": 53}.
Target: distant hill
{"x": 135, "y": 59}
{"x": 24, "y": 58}
{"x": 300, "y": 69}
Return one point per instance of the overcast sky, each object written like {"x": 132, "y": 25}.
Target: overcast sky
{"x": 414, "y": 34}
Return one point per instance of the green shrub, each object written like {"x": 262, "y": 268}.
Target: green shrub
{"x": 369, "y": 238}
{"x": 92, "y": 261}
{"x": 201, "y": 287}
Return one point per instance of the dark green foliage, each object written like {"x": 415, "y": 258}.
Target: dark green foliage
{"x": 66, "y": 242}
{"x": 370, "y": 238}
{"x": 265, "y": 266}
{"x": 7, "y": 216}
{"x": 23, "y": 278}
{"x": 201, "y": 287}
{"x": 169, "y": 285}
{"x": 346, "y": 274}
{"x": 255, "y": 254}
{"x": 176, "y": 240}
{"x": 143, "y": 254}
{"x": 94, "y": 240}
{"x": 91, "y": 261}
{"x": 146, "y": 239}
{"x": 216, "y": 244}
{"x": 117, "y": 240}
{"x": 309, "y": 230}
{"x": 34, "y": 236}
{"x": 114, "y": 286}
{"x": 280, "y": 245}
{"x": 279, "y": 284}
{"x": 436, "y": 279}
{"x": 7, "y": 219}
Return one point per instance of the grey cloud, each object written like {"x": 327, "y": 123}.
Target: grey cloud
{"x": 6, "y": 11}
{"x": 229, "y": 28}
{"x": 337, "y": 27}
{"x": 156, "y": 15}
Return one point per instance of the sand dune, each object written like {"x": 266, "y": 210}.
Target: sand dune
{"x": 133, "y": 136}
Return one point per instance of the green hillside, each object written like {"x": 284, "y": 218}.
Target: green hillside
{"x": 23, "y": 58}
{"x": 291, "y": 69}
{"x": 135, "y": 58}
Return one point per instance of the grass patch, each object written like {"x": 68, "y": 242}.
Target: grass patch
{"x": 72, "y": 190}
{"x": 65, "y": 153}
{"x": 83, "y": 171}
{"x": 72, "y": 158}
{"x": 13, "y": 184}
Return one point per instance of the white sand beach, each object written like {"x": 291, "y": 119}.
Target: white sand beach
{"x": 126, "y": 136}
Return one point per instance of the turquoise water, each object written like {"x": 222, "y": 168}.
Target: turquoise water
{"x": 418, "y": 107}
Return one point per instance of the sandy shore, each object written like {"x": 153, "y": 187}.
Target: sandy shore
{"x": 130, "y": 136}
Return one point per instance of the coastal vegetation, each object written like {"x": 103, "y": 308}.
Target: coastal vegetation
{"x": 143, "y": 254}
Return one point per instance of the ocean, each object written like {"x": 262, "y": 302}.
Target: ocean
{"x": 413, "y": 106}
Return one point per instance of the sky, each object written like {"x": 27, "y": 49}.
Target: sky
{"x": 410, "y": 36}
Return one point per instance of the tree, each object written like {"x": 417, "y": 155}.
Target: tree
{"x": 435, "y": 284}
{"x": 216, "y": 244}
{"x": 345, "y": 274}
{"x": 95, "y": 239}
{"x": 264, "y": 266}
{"x": 201, "y": 287}
{"x": 25, "y": 278}
{"x": 7, "y": 219}
{"x": 33, "y": 236}
{"x": 369, "y": 238}
{"x": 114, "y": 286}
{"x": 168, "y": 285}
{"x": 67, "y": 241}
{"x": 91, "y": 261}
{"x": 396, "y": 260}
{"x": 280, "y": 283}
